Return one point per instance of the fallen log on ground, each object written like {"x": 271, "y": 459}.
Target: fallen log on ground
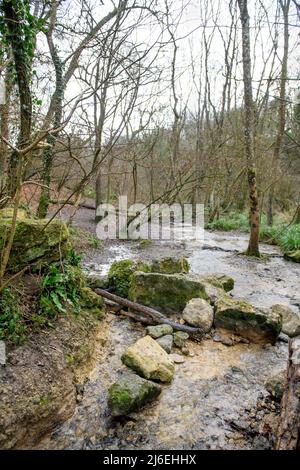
{"x": 156, "y": 317}
{"x": 288, "y": 433}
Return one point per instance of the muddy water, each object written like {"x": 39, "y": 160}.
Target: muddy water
{"x": 212, "y": 402}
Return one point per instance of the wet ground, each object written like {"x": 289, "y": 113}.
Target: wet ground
{"x": 212, "y": 402}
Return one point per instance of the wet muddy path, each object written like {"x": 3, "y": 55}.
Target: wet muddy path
{"x": 212, "y": 402}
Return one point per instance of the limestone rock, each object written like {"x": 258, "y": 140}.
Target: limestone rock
{"x": 36, "y": 241}
{"x": 166, "y": 342}
{"x": 168, "y": 293}
{"x": 149, "y": 360}
{"x": 130, "y": 393}
{"x": 180, "y": 338}
{"x": 159, "y": 330}
{"x": 170, "y": 265}
{"x": 290, "y": 320}
{"x": 121, "y": 272}
{"x": 199, "y": 313}
{"x": 221, "y": 281}
{"x": 240, "y": 317}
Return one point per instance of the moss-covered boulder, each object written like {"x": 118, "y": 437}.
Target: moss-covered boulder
{"x": 168, "y": 293}
{"x": 130, "y": 393}
{"x": 240, "y": 317}
{"x": 170, "y": 265}
{"x": 148, "y": 359}
{"x": 221, "y": 281}
{"x": 293, "y": 256}
{"x": 121, "y": 272}
{"x": 36, "y": 242}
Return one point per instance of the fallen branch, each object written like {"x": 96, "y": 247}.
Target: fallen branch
{"x": 288, "y": 433}
{"x": 156, "y": 317}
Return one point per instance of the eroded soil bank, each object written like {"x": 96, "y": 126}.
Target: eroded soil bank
{"x": 217, "y": 399}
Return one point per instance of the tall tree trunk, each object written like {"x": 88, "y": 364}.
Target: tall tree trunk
{"x": 4, "y": 117}
{"x": 253, "y": 247}
{"x": 15, "y": 36}
{"x": 58, "y": 102}
{"x": 285, "y": 5}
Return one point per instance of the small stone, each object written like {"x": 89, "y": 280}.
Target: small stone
{"x": 185, "y": 351}
{"x": 180, "y": 338}
{"x": 159, "y": 330}
{"x": 177, "y": 358}
{"x": 166, "y": 342}
{"x": 2, "y": 353}
{"x": 199, "y": 313}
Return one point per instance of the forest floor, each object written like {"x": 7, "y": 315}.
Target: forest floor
{"x": 217, "y": 399}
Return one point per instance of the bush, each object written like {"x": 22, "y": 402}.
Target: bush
{"x": 290, "y": 238}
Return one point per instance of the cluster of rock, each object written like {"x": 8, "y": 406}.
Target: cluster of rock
{"x": 200, "y": 301}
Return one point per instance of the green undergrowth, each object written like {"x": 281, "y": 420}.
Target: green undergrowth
{"x": 59, "y": 289}
{"x": 281, "y": 233}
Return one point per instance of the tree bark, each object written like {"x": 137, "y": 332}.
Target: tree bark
{"x": 14, "y": 21}
{"x": 288, "y": 433}
{"x": 253, "y": 247}
{"x": 285, "y": 5}
{"x": 58, "y": 103}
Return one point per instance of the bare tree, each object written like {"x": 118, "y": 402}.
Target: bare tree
{"x": 253, "y": 247}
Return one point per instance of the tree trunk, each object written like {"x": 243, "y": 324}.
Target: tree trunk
{"x": 156, "y": 316}
{"x": 58, "y": 102}
{"x": 15, "y": 35}
{"x": 285, "y": 5}
{"x": 4, "y": 117}
{"x": 288, "y": 433}
{"x": 253, "y": 247}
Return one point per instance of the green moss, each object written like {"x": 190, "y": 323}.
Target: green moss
{"x": 170, "y": 265}
{"x": 35, "y": 242}
{"x": 167, "y": 292}
{"x": 131, "y": 393}
{"x": 121, "y": 272}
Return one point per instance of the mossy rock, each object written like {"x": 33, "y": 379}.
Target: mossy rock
{"x": 130, "y": 393}
{"x": 90, "y": 299}
{"x": 222, "y": 281}
{"x": 36, "y": 242}
{"x": 168, "y": 293}
{"x": 121, "y": 272}
{"x": 170, "y": 265}
{"x": 240, "y": 317}
{"x": 293, "y": 256}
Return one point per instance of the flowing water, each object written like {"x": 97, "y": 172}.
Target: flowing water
{"x": 215, "y": 399}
